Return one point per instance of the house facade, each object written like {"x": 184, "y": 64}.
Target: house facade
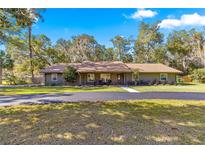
{"x": 115, "y": 73}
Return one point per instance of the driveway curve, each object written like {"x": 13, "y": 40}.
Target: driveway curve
{"x": 96, "y": 96}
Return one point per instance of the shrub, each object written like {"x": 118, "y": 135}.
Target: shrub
{"x": 53, "y": 84}
{"x": 70, "y": 74}
{"x": 130, "y": 83}
{"x": 186, "y": 79}
{"x": 11, "y": 79}
{"x": 153, "y": 82}
{"x": 142, "y": 82}
{"x": 157, "y": 82}
{"x": 136, "y": 76}
{"x": 163, "y": 82}
{"x": 198, "y": 75}
{"x": 173, "y": 83}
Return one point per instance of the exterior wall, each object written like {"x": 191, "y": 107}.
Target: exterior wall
{"x": 114, "y": 78}
{"x": 60, "y": 80}
{"x": 156, "y": 76}
{"x": 83, "y": 77}
{"x": 128, "y": 77}
{"x": 172, "y": 77}
{"x": 125, "y": 78}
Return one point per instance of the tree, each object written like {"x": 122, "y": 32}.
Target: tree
{"x": 198, "y": 39}
{"x": 33, "y": 16}
{"x": 85, "y": 47}
{"x": 5, "y": 62}
{"x": 128, "y": 58}
{"x": 122, "y": 47}
{"x": 149, "y": 44}
{"x": 22, "y": 18}
{"x": 19, "y": 51}
{"x": 185, "y": 49}
{"x": 198, "y": 75}
{"x": 99, "y": 54}
{"x": 63, "y": 52}
{"x": 43, "y": 52}
{"x": 109, "y": 54}
{"x": 70, "y": 74}
{"x": 10, "y": 23}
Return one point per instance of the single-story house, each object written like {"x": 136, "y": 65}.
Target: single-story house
{"x": 115, "y": 72}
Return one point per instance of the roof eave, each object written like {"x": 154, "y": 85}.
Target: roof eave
{"x": 160, "y": 72}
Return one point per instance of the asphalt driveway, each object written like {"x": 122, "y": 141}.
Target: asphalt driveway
{"x": 95, "y": 96}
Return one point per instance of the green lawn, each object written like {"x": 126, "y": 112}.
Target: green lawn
{"x": 192, "y": 87}
{"x": 44, "y": 90}
{"x": 119, "y": 122}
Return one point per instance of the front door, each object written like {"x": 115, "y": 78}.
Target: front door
{"x": 120, "y": 78}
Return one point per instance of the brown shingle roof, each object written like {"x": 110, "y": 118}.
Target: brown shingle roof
{"x": 115, "y": 66}
{"x": 59, "y": 68}
{"x": 88, "y": 66}
{"x": 103, "y": 66}
{"x": 152, "y": 68}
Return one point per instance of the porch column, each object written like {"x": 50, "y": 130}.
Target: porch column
{"x": 79, "y": 78}
{"x": 124, "y": 78}
{"x": 43, "y": 78}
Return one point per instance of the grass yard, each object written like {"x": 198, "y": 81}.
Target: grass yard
{"x": 121, "y": 122}
{"x": 189, "y": 87}
{"x": 45, "y": 90}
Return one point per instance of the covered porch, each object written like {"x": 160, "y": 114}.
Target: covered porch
{"x": 104, "y": 78}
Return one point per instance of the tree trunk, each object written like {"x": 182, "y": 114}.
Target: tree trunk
{"x": 1, "y": 72}
{"x": 30, "y": 53}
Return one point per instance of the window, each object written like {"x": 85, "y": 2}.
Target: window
{"x": 90, "y": 77}
{"x": 54, "y": 77}
{"x": 105, "y": 77}
{"x": 163, "y": 77}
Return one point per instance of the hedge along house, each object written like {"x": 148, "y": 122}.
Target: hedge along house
{"x": 116, "y": 73}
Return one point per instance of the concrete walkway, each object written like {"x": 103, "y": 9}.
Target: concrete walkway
{"x": 95, "y": 96}
{"x": 130, "y": 90}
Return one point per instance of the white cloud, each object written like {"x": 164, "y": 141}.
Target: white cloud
{"x": 185, "y": 20}
{"x": 142, "y": 13}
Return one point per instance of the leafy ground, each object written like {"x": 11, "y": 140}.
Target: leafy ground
{"x": 119, "y": 122}
{"x": 45, "y": 90}
{"x": 191, "y": 87}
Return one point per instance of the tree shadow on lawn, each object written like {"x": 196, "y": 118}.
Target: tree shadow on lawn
{"x": 31, "y": 98}
{"x": 141, "y": 122}
{"x": 187, "y": 84}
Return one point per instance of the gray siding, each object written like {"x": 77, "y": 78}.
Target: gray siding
{"x": 156, "y": 76}
{"x": 125, "y": 77}
{"x": 128, "y": 77}
{"x": 60, "y": 80}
